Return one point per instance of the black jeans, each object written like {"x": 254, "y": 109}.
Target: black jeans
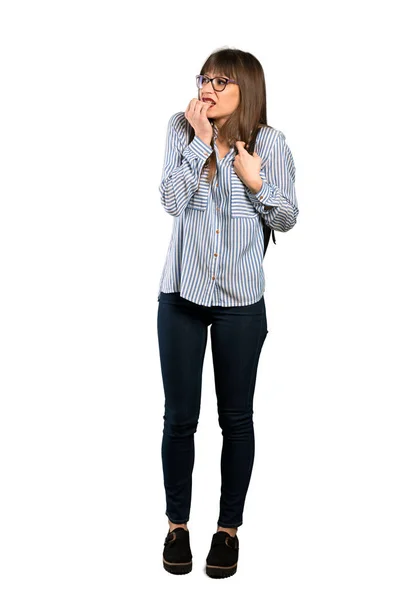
{"x": 237, "y": 336}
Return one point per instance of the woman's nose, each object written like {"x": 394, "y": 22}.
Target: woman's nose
{"x": 209, "y": 88}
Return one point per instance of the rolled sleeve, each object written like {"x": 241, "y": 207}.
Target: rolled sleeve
{"x": 267, "y": 195}
{"x": 276, "y": 200}
{"x": 197, "y": 149}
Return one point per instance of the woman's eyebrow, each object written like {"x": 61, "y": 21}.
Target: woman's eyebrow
{"x": 224, "y": 76}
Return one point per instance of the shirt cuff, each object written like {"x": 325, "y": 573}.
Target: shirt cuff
{"x": 267, "y": 195}
{"x": 197, "y": 149}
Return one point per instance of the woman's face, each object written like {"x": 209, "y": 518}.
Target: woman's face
{"x": 225, "y": 102}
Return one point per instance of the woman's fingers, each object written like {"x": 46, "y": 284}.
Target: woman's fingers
{"x": 196, "y": 114}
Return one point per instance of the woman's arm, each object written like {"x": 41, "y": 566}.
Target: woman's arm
{"x": 276, "y": 199}
{"x": 182, "y": 168}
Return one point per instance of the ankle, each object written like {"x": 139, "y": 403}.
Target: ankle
{"x": 231, "y": 530}
{"x": 173, "y": 526}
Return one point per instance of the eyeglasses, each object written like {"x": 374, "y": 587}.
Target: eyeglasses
{"x": 219, "y": 86}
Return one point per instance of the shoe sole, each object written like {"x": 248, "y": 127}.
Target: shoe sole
{"x": 219, "y": 572}
{"x": 177, "y": 568}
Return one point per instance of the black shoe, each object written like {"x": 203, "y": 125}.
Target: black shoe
{"x": 223, "y": 556}
{"x": 177, "y": 556}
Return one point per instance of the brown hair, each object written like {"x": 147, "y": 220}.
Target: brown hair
{"x": 251, "y": 114}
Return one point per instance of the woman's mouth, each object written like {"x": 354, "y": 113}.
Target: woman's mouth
{"x": 209, "y": 101}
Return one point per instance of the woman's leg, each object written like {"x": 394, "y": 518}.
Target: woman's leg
{"x": 237, "y": 336}
{"x": 182, "y": 336}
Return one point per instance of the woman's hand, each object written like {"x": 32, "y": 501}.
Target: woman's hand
{"x": 247, "y": 167}
{"x": 196, "y": 114}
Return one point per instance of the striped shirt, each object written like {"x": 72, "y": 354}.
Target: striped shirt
{"x": 215, "y": 255}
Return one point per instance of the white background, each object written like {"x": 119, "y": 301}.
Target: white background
{"x": 87, "y": 89}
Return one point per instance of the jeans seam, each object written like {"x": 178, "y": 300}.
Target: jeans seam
{"x": 254, "y": 363}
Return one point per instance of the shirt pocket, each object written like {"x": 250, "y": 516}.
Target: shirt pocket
{"x": 241, "y": 205}
{"x": 199, "y": 200}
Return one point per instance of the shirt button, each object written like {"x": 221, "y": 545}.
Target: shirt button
{"x": 213, "y": 277}
{"x": 217, "y": 207}
{"x": 215, "y": 254}
{"x": 261, "y": 197}
{"x": 217, "y": 231}
{"x": 216, "y": 184}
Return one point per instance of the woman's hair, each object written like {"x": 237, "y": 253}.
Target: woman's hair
{"x": 244, "y": 122}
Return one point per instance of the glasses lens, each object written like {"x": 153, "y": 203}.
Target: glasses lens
{"x": 199, "y": 81}
{"x": 219, "y": 84}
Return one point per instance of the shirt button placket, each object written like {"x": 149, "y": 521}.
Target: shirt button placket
{"x": 216, "y": 185}
{"x": 217, "y": 231}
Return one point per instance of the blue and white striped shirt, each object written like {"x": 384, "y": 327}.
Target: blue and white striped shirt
{"x": 215, "y": 255}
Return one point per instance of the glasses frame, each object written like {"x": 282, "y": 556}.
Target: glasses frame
{"x": 212, "y": 82}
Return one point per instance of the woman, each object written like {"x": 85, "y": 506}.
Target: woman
{"x": 219, "y": 195}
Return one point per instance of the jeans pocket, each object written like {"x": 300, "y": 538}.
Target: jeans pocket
{"x": 241, "y": 205}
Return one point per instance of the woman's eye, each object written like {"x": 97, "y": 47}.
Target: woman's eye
{"x": 221, "y": 81}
